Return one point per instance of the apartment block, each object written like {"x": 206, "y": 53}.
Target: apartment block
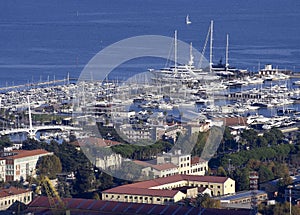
{"x": 19, "y": 164}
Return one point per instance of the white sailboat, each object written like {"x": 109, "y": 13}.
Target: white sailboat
{"x": 187, "y": 20}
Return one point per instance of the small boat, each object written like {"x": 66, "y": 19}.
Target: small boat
{"x": 187, "y": 20}
{"x": 297, "y": 82}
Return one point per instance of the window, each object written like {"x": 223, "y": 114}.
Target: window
{"x": 106, "y": 196}
{"x": 158, "y": 199}
{"x": 211, "y": 186}
{"x": 146, "y": 198}
{"x": 141, "y": 197}
{"x": 135, "y": 197}
{"x": 126, "y": 197}
{"x": 130, "y": 197}
{"x": 219, "y": 187}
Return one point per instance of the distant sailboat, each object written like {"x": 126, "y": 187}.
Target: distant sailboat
{"x": 187, "y": 20}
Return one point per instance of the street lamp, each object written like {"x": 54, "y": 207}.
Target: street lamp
{"x": 290, "y": 198}
{"x": 229, "y": 167}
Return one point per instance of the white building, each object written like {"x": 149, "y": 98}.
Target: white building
{"x": 10, "y": 195}
{"x": 2, "y": 169}
{"x": 168, "y": 164}
{"x": 19, "y": 164}
{"x": 168, "y": 190}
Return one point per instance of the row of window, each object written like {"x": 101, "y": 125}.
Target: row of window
{"x": 141, "y": 198}
{"x": 184, "y": 159}
{"x": 184, "y": 165}
{"x": 263, "y": 197}
{"x": 9, "y": 202}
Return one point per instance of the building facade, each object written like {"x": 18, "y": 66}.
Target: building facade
{"x": 19, "y": 164}
{"x": 165, "y": 190}
{"x": 168, "y": 164}
{"x": 10, "y": 195}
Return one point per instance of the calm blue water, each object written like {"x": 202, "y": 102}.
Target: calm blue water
{"x": 53, "y": 37}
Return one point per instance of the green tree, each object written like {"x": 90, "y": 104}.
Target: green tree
{"x": 49, "y": 165}
{"x": 5, "y": 142}
{"x": 241, "y": 178}
{"x": 265, "y": 174}
{"x": 261, "y": 142}
{"x": 96, "y": 196}
{"x": 284, "y": 209}
{"x": 221, "y": 171}
{"x": 205, "y": 201}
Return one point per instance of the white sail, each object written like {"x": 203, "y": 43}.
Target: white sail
{"x": 187, "y": 20}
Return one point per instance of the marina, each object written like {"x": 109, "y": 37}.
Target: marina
{"x": 178, "y": 94}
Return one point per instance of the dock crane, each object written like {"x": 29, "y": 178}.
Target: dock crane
{"x": 56, "y": 204}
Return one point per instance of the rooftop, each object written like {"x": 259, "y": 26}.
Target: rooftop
{"x": 196, "y": 160}
{"x": 95, "y": 141}
{"x": 15, "y": 154}
{"x": 240, "y": 195}
{"x": 143, "y": 191}
{"x": 12, "y": 191}
{"x": 165, "y": 180}
{"x": 164, "y": 166}
{"x": 40, "y": 205}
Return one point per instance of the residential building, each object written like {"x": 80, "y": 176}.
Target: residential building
{"x": 167, "y": 164}
{"x": 165, "y": 190}
{"x": 2, "y": 169}
{"x": 19, "y": 164}
{"x": 10, "y": 195}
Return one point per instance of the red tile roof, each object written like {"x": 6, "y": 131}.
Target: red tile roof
{"x": 40, "y": 205}
{"x": 231, "y": 121}
{"x": 164, "y": 166}
{"x": 95, "y": 141}
{"x": 196, "y": 160}
{"x": 142, "y": 191}
{"x": 147, "y": 185}
{"x": 15, "y": 154}
{"x": 12, "y": 191}
{"x": 179, "y": 177}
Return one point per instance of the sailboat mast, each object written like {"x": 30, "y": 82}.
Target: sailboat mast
{"x": 30, "y": 117}
{"x": 211, "y": 45}
{"x": 175, "y": 51}
{"x": 227, "y": 44}
{"x": 191, "y": 62}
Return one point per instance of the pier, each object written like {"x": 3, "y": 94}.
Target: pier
{"x": 45, "y": 83}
